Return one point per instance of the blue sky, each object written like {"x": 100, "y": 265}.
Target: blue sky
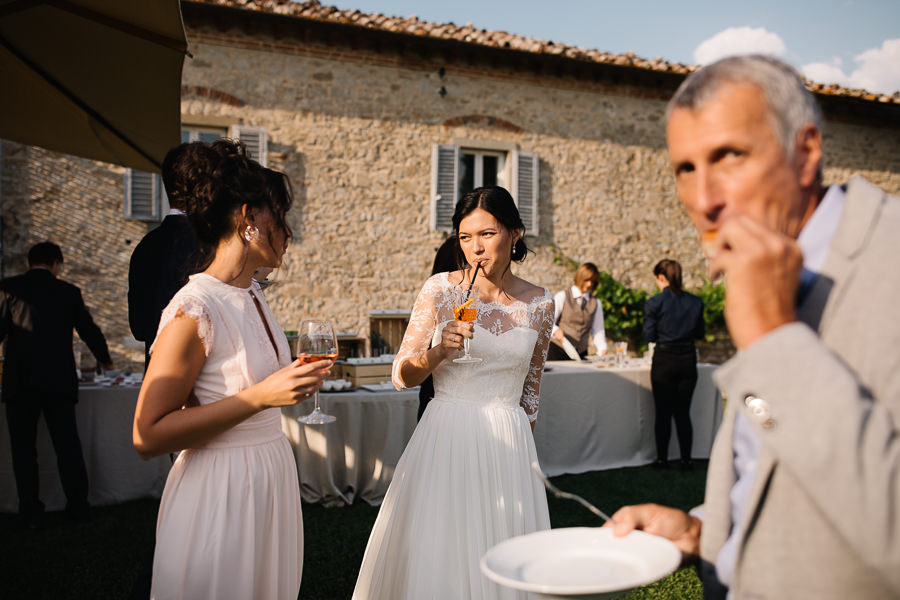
{"x": 855, "y": 43}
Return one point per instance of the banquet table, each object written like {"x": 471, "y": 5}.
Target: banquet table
{"x": 355, "y": 456}
{"x": 590, "y": 419}
{"x": 115, "y": 471}
{"x": 595, "y": 418}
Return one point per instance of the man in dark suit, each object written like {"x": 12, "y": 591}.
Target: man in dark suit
{"x": 37, "y": 315}
{"x": 162, "y": 261}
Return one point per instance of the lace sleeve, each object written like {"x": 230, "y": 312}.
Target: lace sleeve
{"x": 194, "y": 308}
{"x": 541, "y": 315}
{"x": 420, "y": 330}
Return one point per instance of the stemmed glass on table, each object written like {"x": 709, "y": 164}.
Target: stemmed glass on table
{"x": 316, "y": 341}
{"x": 465, "y": 300}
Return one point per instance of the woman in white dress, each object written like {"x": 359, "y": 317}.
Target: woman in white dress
{"x": 464, "y": 482}
{"x": 229, "y": 522}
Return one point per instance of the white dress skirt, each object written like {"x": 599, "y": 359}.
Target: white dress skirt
{"x": 464, "y": 482}
{"x": 229, "y": 523}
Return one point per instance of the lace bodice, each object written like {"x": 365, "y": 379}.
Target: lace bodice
{"x": 511, "y": 339}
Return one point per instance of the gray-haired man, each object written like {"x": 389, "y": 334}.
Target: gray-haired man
{"x": 803, "y": 490}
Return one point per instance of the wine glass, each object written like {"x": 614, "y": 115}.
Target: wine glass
{"x": 465, "y": 308}
{"x": 316, "y": 342}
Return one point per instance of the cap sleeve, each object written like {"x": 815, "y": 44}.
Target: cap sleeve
{"x": 192, "y": 307}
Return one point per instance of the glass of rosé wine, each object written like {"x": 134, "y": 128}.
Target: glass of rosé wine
{"x": 316, "y": 341}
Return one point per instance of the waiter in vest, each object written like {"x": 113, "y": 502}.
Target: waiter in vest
{"x": 578, "y": 318}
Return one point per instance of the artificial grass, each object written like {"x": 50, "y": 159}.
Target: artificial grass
{"x": 102, "y": 558}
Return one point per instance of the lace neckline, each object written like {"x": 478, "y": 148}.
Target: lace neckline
{"x": 515, "y": 305}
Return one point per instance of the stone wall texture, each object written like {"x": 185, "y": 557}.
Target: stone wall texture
{"x": 353, "y": 129}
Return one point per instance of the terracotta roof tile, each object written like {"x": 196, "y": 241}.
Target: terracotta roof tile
{"x": 313, "y": 9}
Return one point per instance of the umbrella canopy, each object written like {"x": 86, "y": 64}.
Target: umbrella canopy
{"x": 94, "y": 78}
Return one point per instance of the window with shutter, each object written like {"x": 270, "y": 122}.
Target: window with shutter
{"x": 256, "y": 140}
{"x": 142, "y": 195}
{"x": 460, "y": 168}
{"x": 444, "y": 186}
{"x": 525, "y": 188}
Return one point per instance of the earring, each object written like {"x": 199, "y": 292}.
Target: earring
{"x": 251, "y": 233}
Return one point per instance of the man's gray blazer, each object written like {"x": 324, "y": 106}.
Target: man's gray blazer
{"x": 824, "y": 508}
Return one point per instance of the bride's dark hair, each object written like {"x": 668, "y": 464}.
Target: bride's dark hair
{"x": 498, "y": 202}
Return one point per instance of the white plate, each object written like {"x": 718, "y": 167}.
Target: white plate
{"x": 580, "y": 562}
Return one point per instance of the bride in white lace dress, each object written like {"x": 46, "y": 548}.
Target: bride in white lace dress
{"x": 464, "y": 482}
{"x": 229, "y": 522}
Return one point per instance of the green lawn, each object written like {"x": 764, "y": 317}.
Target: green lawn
{"x": 102, "y": 558}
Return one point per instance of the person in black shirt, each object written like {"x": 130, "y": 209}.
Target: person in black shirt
{"x": 673, "y": 319}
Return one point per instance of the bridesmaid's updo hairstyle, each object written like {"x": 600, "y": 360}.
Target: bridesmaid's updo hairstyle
{"x": 497, "y": 201}
{"x": 227, "y": 178}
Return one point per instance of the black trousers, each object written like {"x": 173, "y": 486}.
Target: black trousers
{"x": 22, "y": 420}
{"x": 673, "y": 376}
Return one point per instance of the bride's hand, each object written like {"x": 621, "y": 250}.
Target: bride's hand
{"x": 291, "y": 384}
{"x": 452, "y": 337}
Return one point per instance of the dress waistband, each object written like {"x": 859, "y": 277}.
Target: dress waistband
{"x": 497, "y": 402}
{"x": 260, "y": 429}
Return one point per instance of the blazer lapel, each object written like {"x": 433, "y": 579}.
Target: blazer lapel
{"x": 862, "y": 206}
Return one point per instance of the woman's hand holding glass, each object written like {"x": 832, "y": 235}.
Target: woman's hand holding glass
{"x": 292, "y": 384}
{"x": 453, "y": 337}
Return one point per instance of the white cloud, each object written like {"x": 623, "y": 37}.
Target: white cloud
{"x": 826, "y": 73}
{"x": 739, "y": 40}
{"x": 877, "y": 70}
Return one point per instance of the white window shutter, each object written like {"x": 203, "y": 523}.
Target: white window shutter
{"x": 444, "y": 186}
{"x": 143, "y": 193}
{"x": 256, "y": 139}
{"x": 526, "y": 188}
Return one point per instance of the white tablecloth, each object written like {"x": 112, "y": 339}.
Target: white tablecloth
{"x": 115, "y": 471}
{"x": 592, "y": 418}
{"x": 355, "y": 456}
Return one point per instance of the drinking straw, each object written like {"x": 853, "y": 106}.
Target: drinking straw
{"x": 471, "y": 283}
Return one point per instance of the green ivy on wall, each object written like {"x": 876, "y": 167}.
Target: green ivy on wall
{"x": 623, "y": 309}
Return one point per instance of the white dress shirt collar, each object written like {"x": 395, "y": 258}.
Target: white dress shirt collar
{"x": 815, "y": 238}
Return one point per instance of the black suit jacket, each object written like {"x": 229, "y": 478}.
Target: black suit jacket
{"x": 37, "y": 315}
{"x": 160, "y": 265}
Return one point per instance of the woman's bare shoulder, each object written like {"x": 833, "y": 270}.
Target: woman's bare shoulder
{"x": 528, "y": 292}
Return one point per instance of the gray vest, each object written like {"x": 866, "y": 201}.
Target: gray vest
{"x": 576, "y": 321}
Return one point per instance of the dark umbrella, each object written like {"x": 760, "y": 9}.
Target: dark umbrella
{"x": 94, "y": 78}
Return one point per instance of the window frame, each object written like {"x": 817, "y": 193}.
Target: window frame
{"x": 519, "y": 174}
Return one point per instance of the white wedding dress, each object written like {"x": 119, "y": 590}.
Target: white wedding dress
{"x": 464, "y": 482}
{"x": 229, "y": 523}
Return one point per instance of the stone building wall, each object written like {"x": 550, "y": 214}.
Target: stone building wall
{"x": 354, "y": 130}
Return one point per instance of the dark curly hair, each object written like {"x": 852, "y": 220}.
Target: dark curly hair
{"x": 226, "y": 179}
{"x": 497, "y": 201}
{"x": 179, "y": 174}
